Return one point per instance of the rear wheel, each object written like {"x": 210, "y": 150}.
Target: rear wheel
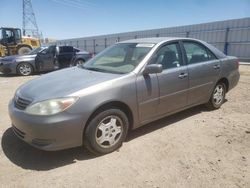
{"x": 79, "y": 62}
{"x": 22, "y": 50}
{"x": 24, "y": 69}
{"x": 106, "y": 131}
{"x": 218, "y": 96}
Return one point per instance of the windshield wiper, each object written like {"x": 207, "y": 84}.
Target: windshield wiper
{"x": 94, "y": 69}
{"x": 101, "y": 70}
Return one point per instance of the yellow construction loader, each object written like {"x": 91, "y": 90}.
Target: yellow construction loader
{"x": 12, "y": 42}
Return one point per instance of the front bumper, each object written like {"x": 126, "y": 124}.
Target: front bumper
{"x": 56, "y": 132}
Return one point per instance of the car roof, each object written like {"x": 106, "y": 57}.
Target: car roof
{"x": 155, "y": 40}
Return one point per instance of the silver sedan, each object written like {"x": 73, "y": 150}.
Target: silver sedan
{"x": 126, "y": 86}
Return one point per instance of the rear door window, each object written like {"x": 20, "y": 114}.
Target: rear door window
{"x": 66, "y": 49}
{"x": 197, "y": 53}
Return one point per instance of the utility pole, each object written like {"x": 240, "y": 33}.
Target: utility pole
{"x": 29, "y": 20}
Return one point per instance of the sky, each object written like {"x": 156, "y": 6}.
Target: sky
{"x": 62, "y": 19}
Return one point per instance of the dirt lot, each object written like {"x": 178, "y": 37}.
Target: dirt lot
{"x": 194, "y": 148}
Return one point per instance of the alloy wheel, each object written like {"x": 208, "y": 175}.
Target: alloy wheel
{"x": 218, "y": 94}
{"x": 79, "y": 62}
{"x": 25, "y": 69}
{"x": 109, "y": 131}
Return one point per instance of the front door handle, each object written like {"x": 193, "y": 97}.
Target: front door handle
{"x": 183, "y": 75}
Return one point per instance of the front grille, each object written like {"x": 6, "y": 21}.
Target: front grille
{"x": 18, "y": 132}
{"x": 21, "y": 103}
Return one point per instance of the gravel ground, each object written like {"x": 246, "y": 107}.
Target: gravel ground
{"x": 194, "y": 148}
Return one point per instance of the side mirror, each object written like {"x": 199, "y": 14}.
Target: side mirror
{"x": 152, "y": 69}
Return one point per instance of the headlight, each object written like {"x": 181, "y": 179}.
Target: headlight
{"x": 50, "y": 107}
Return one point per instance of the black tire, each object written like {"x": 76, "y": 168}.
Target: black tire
{"x": 25, "y": 69}
{"x": 216, "y": 102}
{"x": 79, "y": 62}
{"x": 22, "y": 50}
{"x": 101, "y": 126}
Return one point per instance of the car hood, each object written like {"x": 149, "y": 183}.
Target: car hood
{"x": 62, "y": 83}
{"x": 16, "y": 57}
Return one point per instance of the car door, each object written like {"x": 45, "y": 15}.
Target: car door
{"x": 203, "y": 69}
{"x": 65, "y": 56}
{"x": 45, "y": 59}
{"x": 147, "y": 96}
{"x": 173, "y": 81}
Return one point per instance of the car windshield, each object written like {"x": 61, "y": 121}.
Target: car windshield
{"x": 120, "y": 59}
{"x": 36, "y": 50}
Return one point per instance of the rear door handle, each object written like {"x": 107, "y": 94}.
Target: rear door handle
{"x": 216, "y": 66}
{"x": 183, "y": 75}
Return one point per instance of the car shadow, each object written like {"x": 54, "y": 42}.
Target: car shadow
{"x": 28, "y": 157}
{"x": 16, "y": 75}
{"x": 7, "y": 75}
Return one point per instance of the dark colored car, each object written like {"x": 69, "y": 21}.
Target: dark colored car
{"x": 124, "y": 87}
{"x": 19, "y": 63}
{"x": 40, "y": 60}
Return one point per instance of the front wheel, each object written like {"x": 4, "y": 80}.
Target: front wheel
{"x": 106, "y": 131}
{"x": 218, "y": 96}
{"x": 24, "y": 69}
